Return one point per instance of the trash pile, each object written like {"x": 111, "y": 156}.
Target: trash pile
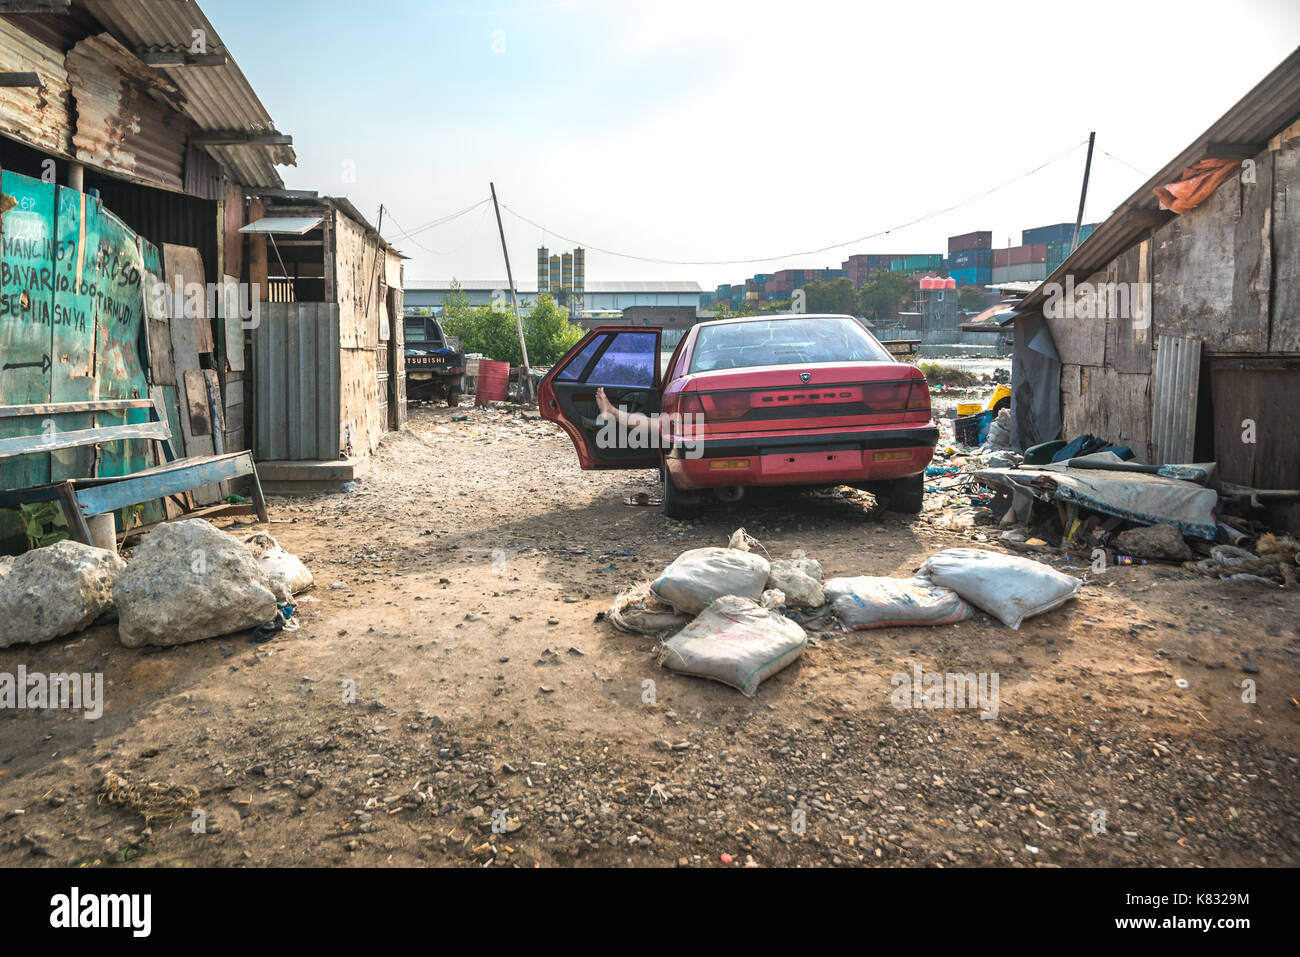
{"x": 1092, "y": 499}
{"x": 185, "y": 581}
{"x": 490, "y": 424}
{"x": 728, "y": 606}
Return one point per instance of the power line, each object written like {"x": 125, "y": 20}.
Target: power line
{"x": 440, "y": 220}
{"x": 1128, "y": 164}
{"x": 808, "y": 252}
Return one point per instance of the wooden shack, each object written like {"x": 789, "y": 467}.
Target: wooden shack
{"x": 326, "y": 351}
{"x": 1178, "y": 333}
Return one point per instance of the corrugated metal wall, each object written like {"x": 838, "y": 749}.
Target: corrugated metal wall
{"x": 296, "y": 382}
{"x": 34, "y": 114}
{"x": 1176, "y": 387}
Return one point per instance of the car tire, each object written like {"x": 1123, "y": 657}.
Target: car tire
{"x": 1002, "y": 403}
{"x": 677, "y": 504}
{"x": 905, "y": 495}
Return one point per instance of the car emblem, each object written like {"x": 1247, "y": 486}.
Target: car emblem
{"x": 805, "y": 376}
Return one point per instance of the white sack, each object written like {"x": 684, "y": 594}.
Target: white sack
{"x": 700, "y": 575}
{"x": 866, "y": 602}
{"x": 735, "y": 641}
{"x": 1008, "y": 587}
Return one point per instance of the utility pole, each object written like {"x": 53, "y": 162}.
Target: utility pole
{"x": 519, "y": 323}
{"x": 1083, "y": 197}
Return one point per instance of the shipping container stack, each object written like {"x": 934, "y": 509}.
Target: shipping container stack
{"x": 1057, "y": 238}
{"x": 970, "y": 258}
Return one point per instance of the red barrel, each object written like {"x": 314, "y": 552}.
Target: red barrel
{"x": 493, "y": 381}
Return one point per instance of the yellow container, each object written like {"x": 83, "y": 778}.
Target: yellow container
{"x": 969, "y": 408}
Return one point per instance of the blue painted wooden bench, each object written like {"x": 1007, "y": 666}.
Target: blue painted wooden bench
{"x": 82, "y": 498}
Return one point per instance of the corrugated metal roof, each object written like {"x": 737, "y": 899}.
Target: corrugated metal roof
{"x": 23, "y": 109}
{"x": 1269, "y": 108}
{"x": 119, "y": 125}
{"x": 215, "y": 97}
{"x": 293, "y": 225}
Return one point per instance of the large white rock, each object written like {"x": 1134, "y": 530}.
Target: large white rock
{"x": 285, "y": 572}
{"x": 187, "y": 581}
{"x": 56, "y": 590}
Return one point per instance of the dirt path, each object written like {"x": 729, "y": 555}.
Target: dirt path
{"x": 456, "y": 592}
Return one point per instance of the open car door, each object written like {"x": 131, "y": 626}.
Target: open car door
{"x": 624, "y": 361}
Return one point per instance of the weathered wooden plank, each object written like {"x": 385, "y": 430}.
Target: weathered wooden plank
{"x": 58, "y": 408}
{"x": 1253, "y": 262}
{"x": 1128, "y": 337}
{"x": 1256, "y": 403}
{"x": 1284, "y": 330}
{"x": 1079, "y": 341}
{"x": 232, "y": 322}
{"x": 1194, "y": 273}
{"x": 26, "y": 328}
{"x": 77, "y": 373}
{"x": 53, "y": 441}
{"x": 184, "y": 265}
{"x": 196, "y": 404}
{"x": 180, "y": 476}
{"x": 120, "y": 373}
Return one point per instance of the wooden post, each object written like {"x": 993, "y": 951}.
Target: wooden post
{"x": 1083, "y": 196}
{"x": 519, "y": 323}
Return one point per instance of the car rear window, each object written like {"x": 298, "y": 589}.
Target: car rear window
{"x": 787, "y": 341}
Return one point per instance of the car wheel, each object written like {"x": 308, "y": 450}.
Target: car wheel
{"x": 677, "y": 504}
{"x": 1002, "y": 403}
{"x": 906, "y": 495}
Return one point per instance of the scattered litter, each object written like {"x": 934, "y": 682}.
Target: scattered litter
{"x": 642, "y": 498}
{"x": 1008, "y": 587}
{"x": 735, "y": 641}
{"x": 640, "y": 612}
{"x": 1181, "y": 683}
{"x": 866, "y": 602}
{"x": 153, "y": 802}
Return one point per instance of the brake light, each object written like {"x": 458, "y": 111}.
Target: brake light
{"x": 690, "y": 404}
{"x": 889, "y": 397}
{"x": 727, "y": 406}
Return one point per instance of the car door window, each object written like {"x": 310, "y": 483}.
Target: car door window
{"x": 629, "y": 362}
{"x": 573, "y": 370}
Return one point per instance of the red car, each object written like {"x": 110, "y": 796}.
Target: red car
{"x": 810, "y": 400}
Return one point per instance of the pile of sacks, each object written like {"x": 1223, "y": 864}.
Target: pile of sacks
{"x": 186, "y": 581}
{"x": 725, "y": 604}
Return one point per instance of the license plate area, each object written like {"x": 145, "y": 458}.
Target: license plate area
{"x": 811, "y": 462}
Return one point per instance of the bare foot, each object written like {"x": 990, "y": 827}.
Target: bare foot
{"x": 602, "y": 402}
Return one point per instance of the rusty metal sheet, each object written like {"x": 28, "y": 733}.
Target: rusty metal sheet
{"x": 36, "y": 115}
{"x": 1176, "y": 388}
{"x": 118, "y": 124}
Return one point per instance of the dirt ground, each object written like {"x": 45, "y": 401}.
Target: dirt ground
{"x": 457, "y": 590}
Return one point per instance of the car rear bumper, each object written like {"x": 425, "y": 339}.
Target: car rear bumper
{"x": 804, "y": 458}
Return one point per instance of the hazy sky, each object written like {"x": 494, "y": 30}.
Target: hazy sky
{"x": 710, "y": 130}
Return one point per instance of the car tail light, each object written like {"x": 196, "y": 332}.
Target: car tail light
{"x": 688, "y": 403}
{"x": 887, "y": 397}
{"x": 726, "y": 406}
